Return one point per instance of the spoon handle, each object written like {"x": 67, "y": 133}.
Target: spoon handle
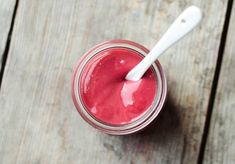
{"x": 187, "y": 20}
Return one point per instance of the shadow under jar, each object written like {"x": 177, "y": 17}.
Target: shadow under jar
{"x": 106, "y": 100}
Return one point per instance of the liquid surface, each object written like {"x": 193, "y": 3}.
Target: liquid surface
{"x": 105, "y": 92}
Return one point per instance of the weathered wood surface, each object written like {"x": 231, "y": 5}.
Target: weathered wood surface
{"x": 6, "y": 13}
{"x": 38, "y": 121}
{"x": 220, "y": 146}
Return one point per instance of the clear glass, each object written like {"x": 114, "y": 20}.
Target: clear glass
{"x": 145, "y": 119}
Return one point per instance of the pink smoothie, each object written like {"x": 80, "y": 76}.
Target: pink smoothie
{"x": 105, "y": 92}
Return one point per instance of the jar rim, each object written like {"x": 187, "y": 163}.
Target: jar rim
{"x": 147, "y": 116}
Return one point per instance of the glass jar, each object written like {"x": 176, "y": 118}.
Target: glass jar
{"x": 145, "y": 119}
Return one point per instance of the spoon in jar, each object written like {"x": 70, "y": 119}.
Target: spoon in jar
{"x": 187, "y": 20}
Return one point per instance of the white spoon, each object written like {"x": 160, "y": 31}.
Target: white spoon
{"x": 188, "y": 19}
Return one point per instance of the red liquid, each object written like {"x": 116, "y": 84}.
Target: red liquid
{"x": 105, "y": 92}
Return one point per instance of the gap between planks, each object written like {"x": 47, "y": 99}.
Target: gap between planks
{"x": 8, "y": 43}
{"x": 215, "y": 82}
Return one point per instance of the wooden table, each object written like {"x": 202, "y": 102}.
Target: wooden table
{"x": 40, "y": 43}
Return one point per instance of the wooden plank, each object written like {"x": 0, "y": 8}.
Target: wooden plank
{"x": 38, "y": 121}
{"x": 220, "y": 146}
{"x": 6, "y": 13}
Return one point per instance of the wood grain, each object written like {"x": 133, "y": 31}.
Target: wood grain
{"x": 6, "y": 13}
{"x": 38, "y": 121}
{"x": 220, "y": 146}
